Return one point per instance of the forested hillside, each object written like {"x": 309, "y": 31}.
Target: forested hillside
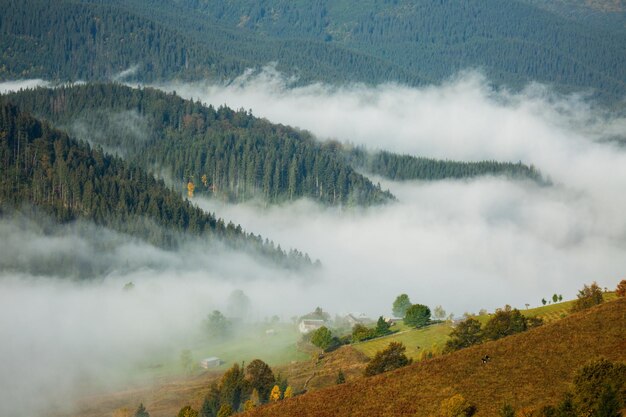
{"x": 222, "y": 152}
{"x": 606, "y": 14}
{"x": 514, "y": 42}
{"x": 408, "y": 167}
{"x": 332, "y": 41}
{"x": 68, "y": 180}
{"x": 155, "y": 40}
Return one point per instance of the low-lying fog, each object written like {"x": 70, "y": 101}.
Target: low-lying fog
{"x": 465, "y": 245}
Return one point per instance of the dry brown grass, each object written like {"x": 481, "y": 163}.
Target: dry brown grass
{"x": 526, "y": 370}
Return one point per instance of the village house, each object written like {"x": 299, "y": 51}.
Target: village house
{"x": 357, "y": 318}
{"x": 309, "y": 325}
{"x": 212, "y": 362}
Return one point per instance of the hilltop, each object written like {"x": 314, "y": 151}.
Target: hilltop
{"x": 527, "y": 369}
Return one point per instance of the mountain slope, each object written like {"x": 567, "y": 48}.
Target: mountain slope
{"x": 513, "y": 42}
{"x": 527, "y": 370}
{"x": 45, "y": 168}
{"x": 100, "y": 40}
{"x": 332, "y": 41}
{"x": 224, "y": 152}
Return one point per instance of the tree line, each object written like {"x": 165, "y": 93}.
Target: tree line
{"x": 409, "y": 167}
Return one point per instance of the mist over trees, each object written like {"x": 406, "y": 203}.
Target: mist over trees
{"x": 222, "y": 152}
{"x": 69, "y": 180}
{"x": 407, "y": 167}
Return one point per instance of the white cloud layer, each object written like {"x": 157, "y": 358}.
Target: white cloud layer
{"x": 12, "y": 86}
{"x": 463, "y": 244}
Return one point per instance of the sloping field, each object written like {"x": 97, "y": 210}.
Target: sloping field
{"x": 527, "y": 369}
{"x": 415, "y": 340}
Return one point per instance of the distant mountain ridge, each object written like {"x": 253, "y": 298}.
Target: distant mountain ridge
{"x": 371, "y": 41}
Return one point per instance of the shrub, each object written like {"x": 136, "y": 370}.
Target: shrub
{"x": 505, "y": 322}
{"x": 465, "y": 334}
{"x": 596, "y": 379}
{"x": 392, "y": 357}
{"x": 360, "y": 333}
{"x": 456, "y": 406}
{"x": 187, "y": 411}
{"x": 588, "y": 297}
{"x": 341, "y": 378}
{"x": 621, "y": 288}
{"x": 507, "y": 411}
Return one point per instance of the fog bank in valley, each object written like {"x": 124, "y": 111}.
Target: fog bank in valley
{"x": 463, "y": 244}
{"x": 466, "y": 245}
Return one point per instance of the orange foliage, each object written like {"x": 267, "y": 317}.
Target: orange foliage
{"x": 529, "y": 369}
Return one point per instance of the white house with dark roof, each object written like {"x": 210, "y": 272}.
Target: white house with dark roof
{"x": 310, "y": 325}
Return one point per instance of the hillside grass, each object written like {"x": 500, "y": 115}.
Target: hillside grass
{"x": 557, "y": 311}
{"x": 416, "y": 340}
{"x": 529, "y": 369}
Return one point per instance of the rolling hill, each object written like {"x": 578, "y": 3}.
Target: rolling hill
{"x": 226, "y": 153}
{"x": 527, "y": 370}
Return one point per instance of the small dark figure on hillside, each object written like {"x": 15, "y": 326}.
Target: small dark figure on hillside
{"x": 486, "y": 358}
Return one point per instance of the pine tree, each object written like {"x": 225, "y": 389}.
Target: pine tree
{"x": 141, "y": 411}
{"x": 340, "y": 377}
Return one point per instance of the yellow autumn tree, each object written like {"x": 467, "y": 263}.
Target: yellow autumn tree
{"x": 123, "y": 412}
{"x": 190, "y": 189}
{"x": 275, "y": 394}
{"x": 288, "y": 392}
{"x": 205, "y": 180}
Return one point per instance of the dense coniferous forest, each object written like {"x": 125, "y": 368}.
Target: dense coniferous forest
{"x": 408, "y": 167}
{"x": 513, "y": 42}
{"x": 332, "y": 41}
{"x": 99, "y": 40}
{"x": 68, "y": 180}
{"x": 223, "y": 152}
